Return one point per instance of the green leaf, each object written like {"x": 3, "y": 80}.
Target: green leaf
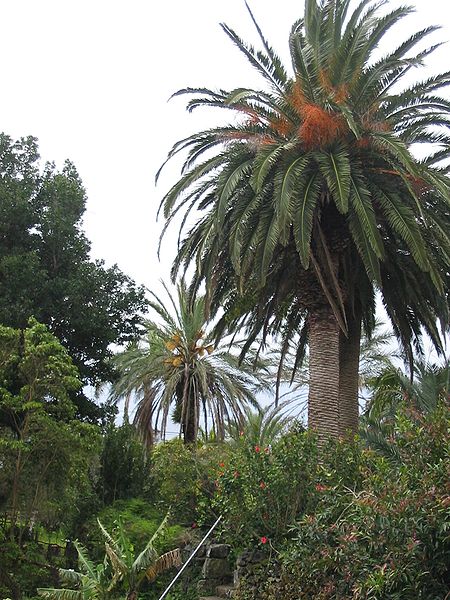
{"x": 305, "y": 205}
{"x": 286, "y": 189}
{"x": 335, "y": 167}
{"x": 361, "y": 201}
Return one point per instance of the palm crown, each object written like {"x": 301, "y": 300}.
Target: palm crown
{"x": 177, "y": 364}
{"x": 313, "y": 201}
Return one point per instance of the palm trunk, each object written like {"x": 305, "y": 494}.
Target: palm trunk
{"x": 348, "y": 378}
{"x": 190, "y": 430}
{"x": 323, "y": 398}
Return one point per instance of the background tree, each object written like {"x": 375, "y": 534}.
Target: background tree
{"x": 124, "y": 464}
{"x": 46, "y": 271}
{"x": 311, "y": 200}
{"x": 45, "y": 454}
{"x": 178, "y": 365}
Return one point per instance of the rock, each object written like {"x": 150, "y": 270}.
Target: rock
{"x": 219, "y": 551}
{"x": 216, "y": 568}
{"x": 205, "y": 587}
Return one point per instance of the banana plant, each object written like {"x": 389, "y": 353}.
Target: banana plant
{"x": 91, "y": 582}
{"x": 120, "y": 570}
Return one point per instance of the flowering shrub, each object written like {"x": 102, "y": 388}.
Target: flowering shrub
{"x": 382, "y": 536}
{"x": 261, "y": 490}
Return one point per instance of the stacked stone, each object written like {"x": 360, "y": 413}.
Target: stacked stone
{"x": 216, "y": 568}
{"x": 246, "y": 563}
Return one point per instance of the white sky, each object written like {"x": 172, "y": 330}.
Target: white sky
{"x": 91, "y": 78}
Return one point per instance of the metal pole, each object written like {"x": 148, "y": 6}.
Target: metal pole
{"x": 189, "y": 559}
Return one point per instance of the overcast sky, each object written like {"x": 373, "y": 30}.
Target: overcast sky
{"x": 91, "y": 78}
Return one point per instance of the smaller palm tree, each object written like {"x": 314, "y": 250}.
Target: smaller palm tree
{"x": 422, "y": 393}
{"x": 261, "y": 427}
{"x": 179, "y": 365}
{"x": 392, "y": 389}
{"x": 131, "y": 572}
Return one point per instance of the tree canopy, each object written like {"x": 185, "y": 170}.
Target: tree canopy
{"x": 45, "y": 266}
{"x": 311, "y": 199}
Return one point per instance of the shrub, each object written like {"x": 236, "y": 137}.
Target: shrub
{"x": 183, "y": 479}
{"x": 381, "y": 532}
{"x": 261, "y": 490}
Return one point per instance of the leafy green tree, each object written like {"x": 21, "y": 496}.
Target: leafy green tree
{"x": 311, "y": 199}
{"x": 44, "y": 452}
{"x": 177, "y": 364}
{"x": 124, "y": 464}
{"x": 45, "y": 268}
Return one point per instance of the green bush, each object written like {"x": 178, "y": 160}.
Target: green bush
{"x": 260, "y": 491}
{"x": 124, "y": 466}
{"x": 380, "y": 532}
{"x": 139, "y": 519}
{"x": 183, "y": 479}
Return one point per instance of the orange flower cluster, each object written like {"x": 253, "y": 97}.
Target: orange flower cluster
{"x": 320, "y": 127}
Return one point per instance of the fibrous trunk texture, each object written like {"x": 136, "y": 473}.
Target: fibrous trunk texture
{"x": 349, "y": 378}
{"x": 333, "y": 375}
{"x": 323, "y": 399}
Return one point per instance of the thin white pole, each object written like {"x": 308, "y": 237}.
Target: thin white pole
{"x": 189, "y": 559}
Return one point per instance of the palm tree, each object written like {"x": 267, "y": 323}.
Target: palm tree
{"x": 311, "y": 200}
{"x": 263, "y": 426}
{"x": 391, "y": 390}
{"x": 178, "y": 364}
{"x": 131, "y": 572}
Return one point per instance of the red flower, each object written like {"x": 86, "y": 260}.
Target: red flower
{"x": 221, "y": 464}
{"x": 267, "y": 450}
{"x": 321, "y": 488}
{"x": 241, "y": 433}
{"x": 194, "y": 525}
{"x": 257, "y": 449}
{"x": 264, "y": 540}
{"x": 262, "y": 485}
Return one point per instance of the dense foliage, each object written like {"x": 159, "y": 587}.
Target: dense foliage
{"x": 375, "y": 527}
{"x": 46, "y": 270}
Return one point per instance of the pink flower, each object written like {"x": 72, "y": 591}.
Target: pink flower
{"x": 194, "y": 525}
{"x": 321, "y": 488}
{"x": 264, "y": 540}
{"x": 267, "y": 450}
{"x": 262, "y": 485}
{"x": 236, "y": 474}
{"x": 241, "y": 433}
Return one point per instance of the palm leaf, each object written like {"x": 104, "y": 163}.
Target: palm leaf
{"x": 335, "y": 167}
{"x": 163, "y": 563}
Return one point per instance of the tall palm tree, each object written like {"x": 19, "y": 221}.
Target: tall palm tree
{"x": 177, "y": 364}
{"x": 311, "y": 199}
